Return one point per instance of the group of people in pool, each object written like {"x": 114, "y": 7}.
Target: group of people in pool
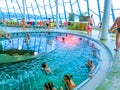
{"x": 96, "y": 51}
{"x": 96, "y": 54}
{"x": 67, "y": 79}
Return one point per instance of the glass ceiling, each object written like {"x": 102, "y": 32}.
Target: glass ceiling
{"x": 42, "y": 9}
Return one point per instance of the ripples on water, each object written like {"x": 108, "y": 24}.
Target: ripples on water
{"x": 64, "y": 60}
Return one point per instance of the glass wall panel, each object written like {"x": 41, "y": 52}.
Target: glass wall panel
{"x": 67, "y": 8}
{"x": 47, "y": 8}
{"x": 116, "y": 7}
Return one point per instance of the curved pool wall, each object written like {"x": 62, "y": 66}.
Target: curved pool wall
{"x": 102, "y": 70}
{"x": 80, "y": 35}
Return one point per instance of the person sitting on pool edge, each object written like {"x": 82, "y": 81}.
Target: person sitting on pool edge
{"x": 45, "y": 68}
{"x": 69, "y": 84}
{"x": 91, "y": 66}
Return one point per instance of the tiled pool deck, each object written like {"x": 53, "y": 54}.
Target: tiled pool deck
{"x": 112, "y": 80}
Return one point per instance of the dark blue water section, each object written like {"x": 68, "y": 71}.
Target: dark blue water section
{"x": 34, "y": 43}
{"x": 69, "y": 57}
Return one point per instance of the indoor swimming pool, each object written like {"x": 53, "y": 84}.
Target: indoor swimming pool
{"x": 65, "y": 53}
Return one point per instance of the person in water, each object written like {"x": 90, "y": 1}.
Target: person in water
{"x": 45, "y": 67}
{"x": 49, "y": 86}
{"x": 91, "y": 66}
{"x": 69, "y": 84}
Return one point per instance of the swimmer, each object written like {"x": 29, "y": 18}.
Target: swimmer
{"x": 63, "y": 39}
{"x": 96, "y": 51}
{"x": 49, "y": 86}
{"x": 80, "y": 38}
{"x": 91, "y": 66}
{"x": 8, "y": 37}
{"x": 45, "y": 67}
{"x": 68, "y": 82}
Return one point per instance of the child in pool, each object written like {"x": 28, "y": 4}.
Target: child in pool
{"x": 45, "y": 67}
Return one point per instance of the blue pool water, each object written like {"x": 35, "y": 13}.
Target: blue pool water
{"x": 69, "y": 57}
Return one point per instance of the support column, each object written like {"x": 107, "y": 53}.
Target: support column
{"x": 105, "y": 20}
{"x": 57, "y": 14}
{"x": 24, "y": 14}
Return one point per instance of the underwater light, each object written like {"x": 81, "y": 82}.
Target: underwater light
{"x": 35, "y": 53}
{"x": 19, "y": 48}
